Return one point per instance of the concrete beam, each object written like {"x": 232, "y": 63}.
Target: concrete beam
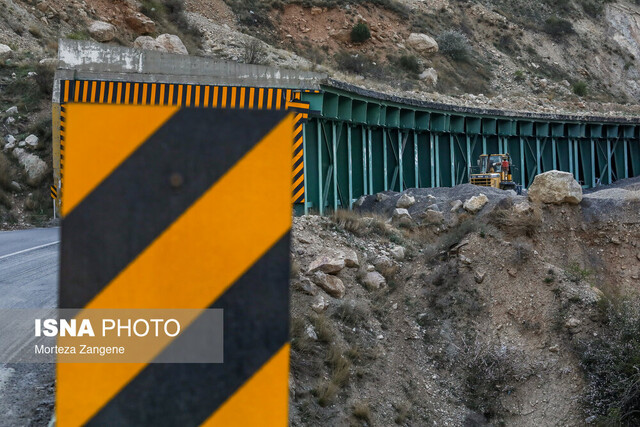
{"x": 95, "y": 61}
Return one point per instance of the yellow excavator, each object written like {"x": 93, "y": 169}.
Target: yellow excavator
{"x": 495, "y": 171}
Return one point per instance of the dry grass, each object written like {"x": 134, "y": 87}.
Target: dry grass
{"x": 5, "y": 172}
{"x": 5, "y": 200}
{"x": 339, "y": 365}
{"x": 352, "y": 312}
{"x": 362, "y": 412}
{"x": 323, "y": 328}
{"x": 517, "y": 225}
{"x": 326, "y": 391}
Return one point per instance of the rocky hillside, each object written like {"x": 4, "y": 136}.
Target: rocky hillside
{"x": 578, "y": 56}
{"x": 452, "y": 307}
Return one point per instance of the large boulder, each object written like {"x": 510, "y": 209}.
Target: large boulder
{"x": 102, "y": 31}
{"x": 374, "y": 280}
{"x": 332, "y": 285}
{"x": 430, "y": 76}
{"x": 32, "y": 141}
{"x": 432, "y": 216}
{"x": 163, "y": 43}
{"x": 555, "y": 187}
{"x": 422, "y": 43}
{"x": 140, "y": 23}
{"x": 330, "y": 263}
{"x": 5, "y": 51}
{"x": 172, "y": 44}
{"x": 476, "y": 203}
{"x": 405, "y": 201}
{"x": 35, "y": 168}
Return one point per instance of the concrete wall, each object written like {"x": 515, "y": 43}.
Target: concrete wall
{"x": 95, "y": 61}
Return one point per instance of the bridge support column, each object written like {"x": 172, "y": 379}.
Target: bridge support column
{"x": 437, "y": 141}
{"x": 415, "y": 160}
{"x": 626, "y": 158}
{"x": 452, "y": 156}
{"x": 384, "y": 159}
{"x": 365, "y": 180}
{"x": 432, "y": 150}
{"x": 334, "y": 171}
{"x": 320, "y": 177}
{"x": 370, "y": 168}
{"x": 350, "y": 160}
{"x": 592, "y": 145}
{"x": 304, "y": 169}
{"x": 522, "y": 165}
{"x": 609, "y": 174}
{"x": 400, "y": 165}
{"x": 555, "y": 153}
{"x": 538, "y": 169}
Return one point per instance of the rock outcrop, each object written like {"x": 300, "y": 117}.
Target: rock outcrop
{"x": 102, "y": 31}
{"x": 555, "y": 187}
{"x": 422, "y": 43}
{"x": 34, "y": 166}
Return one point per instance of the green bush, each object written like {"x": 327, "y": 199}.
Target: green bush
{"x": 454, "y": 44}
{"x": 410, "y": 64}
{"x": 519, "y": 76}
{"x": 580, "y": 88}
{"x": 360, "y": 33}
{"x": 611, "y": 364}
{"x": 557, "y": 26}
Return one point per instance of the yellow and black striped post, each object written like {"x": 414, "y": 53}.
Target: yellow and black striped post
{"x": 54, "y": 192}
{"x": 169, "y": 207}
{"x": 188, "y": 95}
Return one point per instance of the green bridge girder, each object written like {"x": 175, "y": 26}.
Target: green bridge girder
{"x": 358, "y": 142}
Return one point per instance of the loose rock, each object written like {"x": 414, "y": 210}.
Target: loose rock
{"x": 12, "y": 111}
{"x": 5, "y": 51}
{"x": 405, "y": 201}
{"x": 431, "y": 216}
{"x": 332, "y": 285}
{"x": 102, "y": 31}
{"x": 398, "y": 253}
{"x": 140, "y": 23}
{"x": 33, "y": 165}
{"x": 422, "y": 43}
{"x": 374, "y": 280}
{"x": 319, "y": 304}
{"x": 555, "y": 187}
{"x": 351, "y": 258}
{"x": 32, "y": 141}
{"x": 456, "y": 205}
{"x": 328, "y": 263}
{"x": 476, "y": 203}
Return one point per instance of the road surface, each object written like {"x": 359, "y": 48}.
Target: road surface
{"x": 28, "y": 279}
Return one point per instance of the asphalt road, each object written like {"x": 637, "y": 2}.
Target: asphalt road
{"x": 28, "y": 279}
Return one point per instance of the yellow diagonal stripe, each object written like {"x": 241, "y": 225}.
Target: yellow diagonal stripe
{"x": 267, "y": 388}
{"x": 100, "y": 137}
{"x": 193, "y": 262}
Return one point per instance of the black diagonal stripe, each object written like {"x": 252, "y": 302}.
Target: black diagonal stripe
{"x": 298, "y": 188}
{"x": 298, "y": 162}
{"x": 137, "y": 202}
{"x": 256, "y": 319}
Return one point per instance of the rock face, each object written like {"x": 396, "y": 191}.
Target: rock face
{"x": 5, "y": 51}
{"x": 555, "y": 187}
{"x": 32, "y": 141}
{"x": 328, "y": 263}
{"x": 351, "y": 258}
{"x": 430, "y": 76}
{"x": 374, "y": 280}
{"x": 102, "y": 31}
{"x": 400, "y": 214}
{"x": 140, "y": 23}
{"x": 405, "y": 201}
{"x": 476, "y": 203}
{"x": 163, "y": 43}
{"x": 330, "y": 284}
{"x": 422, "y": 43}
{"x": 35, "y": 167}
{"x": 431, "y": 216}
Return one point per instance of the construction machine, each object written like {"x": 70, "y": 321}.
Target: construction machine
{"x": 495, "y": 171}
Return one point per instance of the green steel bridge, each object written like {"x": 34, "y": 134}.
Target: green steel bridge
{"x": 360, "y": 142}
{"x": 355, "y": 141}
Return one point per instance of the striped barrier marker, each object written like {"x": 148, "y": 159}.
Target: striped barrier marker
{"x": 187, "y": 95}
{"x": 54, "y": 192}
{"x": 169, "y": 207}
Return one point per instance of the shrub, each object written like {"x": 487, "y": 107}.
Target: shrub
{"x": 362, "y": 412}
{"x": 356, "y": 64}
{"x": 5, "y": 172}
{"x": 454, "y": 44}
{"x": 410, "y": 64}
{"x": 593, "y": 8}
{"x": 557, "y": 26}
{"x": 580, "y": 88}
{"x": 44, "y": 79}
{"x": 254, "y": 52}
{"x": 611, "y": 363}
{"x": 519, "y": 76}
{"x": 360, "y": 33}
